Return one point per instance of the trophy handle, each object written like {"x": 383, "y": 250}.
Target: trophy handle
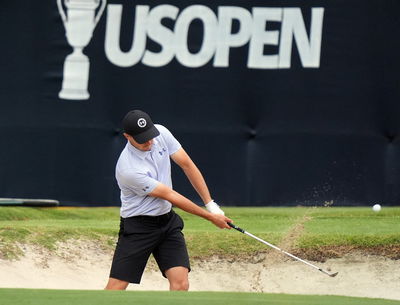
{"x": 61, "y": 11}
{"x": 100, "y": 12}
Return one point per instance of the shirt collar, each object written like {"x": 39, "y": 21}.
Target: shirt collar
{"x": 140, "y": 153}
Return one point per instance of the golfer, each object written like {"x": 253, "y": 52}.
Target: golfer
{"x": 148, "y": 224}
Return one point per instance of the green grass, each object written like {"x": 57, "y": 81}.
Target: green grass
{"x": 46, "y": 226}
{"x": 352, "y": 227}
{"x": 319, "y": 227}
{"x": 79, "y": 297}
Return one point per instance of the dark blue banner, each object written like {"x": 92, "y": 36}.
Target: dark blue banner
{"x": 277, "y": 102}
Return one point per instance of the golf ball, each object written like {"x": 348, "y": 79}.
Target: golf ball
{"x": 376, "y": 207}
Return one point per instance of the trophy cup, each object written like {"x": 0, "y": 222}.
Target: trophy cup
{"x": 79, "y": 22}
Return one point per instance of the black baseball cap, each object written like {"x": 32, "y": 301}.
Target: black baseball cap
{"x": 139, "y": 125}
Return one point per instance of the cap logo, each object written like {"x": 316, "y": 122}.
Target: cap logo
{"x": 142, "y": 123}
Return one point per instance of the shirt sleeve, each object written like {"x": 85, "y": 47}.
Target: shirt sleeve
{"x": 172, "y": 143}
{"x": 140, "y": 183}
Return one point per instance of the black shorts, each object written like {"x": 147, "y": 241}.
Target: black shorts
{"x": 140, "y": 236}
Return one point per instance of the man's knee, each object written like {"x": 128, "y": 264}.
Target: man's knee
{"x": 178, "y": 278}
{"x": 181, "y": 284}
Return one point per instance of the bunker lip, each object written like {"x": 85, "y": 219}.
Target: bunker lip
{"x": 316, "y": 254}
{"x": 323, "y": 253}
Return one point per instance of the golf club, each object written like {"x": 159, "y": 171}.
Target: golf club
{"x": 276, "y": 248}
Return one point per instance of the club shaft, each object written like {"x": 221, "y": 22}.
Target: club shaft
{"x": 280, "y": 250}
{"x": 276, "y": 248}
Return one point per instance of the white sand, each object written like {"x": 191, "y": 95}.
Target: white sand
{"x": 78, "y": 266}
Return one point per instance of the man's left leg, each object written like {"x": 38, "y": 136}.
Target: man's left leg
{"x": 172, "y": 256}
{"x": 178, "y": 278}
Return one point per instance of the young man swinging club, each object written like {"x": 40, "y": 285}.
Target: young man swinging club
{"x": 148, "y": 224}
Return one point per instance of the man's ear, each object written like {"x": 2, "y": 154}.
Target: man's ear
{"x": 127, "y": 136}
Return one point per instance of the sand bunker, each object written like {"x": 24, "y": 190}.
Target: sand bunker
{"x": 83, "y": 266}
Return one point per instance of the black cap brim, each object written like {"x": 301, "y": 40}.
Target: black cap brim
{"x": 147, "y": 135}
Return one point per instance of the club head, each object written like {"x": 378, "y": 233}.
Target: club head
{"x": 327, "y": 273}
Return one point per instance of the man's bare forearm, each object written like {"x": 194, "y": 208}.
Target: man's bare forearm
{"x": 199, "y": 184}
{"x": 193, "y": 174}
{"x": 179, "y": 200}
{"x": 166, "y": 193}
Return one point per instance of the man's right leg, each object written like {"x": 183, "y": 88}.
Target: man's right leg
{"x": 137, "y": 239}
{"x": 115, "y": 284}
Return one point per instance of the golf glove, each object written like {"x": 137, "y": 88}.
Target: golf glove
{"x": 214, "y": 208}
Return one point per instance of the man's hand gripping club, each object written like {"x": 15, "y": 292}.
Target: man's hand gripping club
{"x": 214, "y": 209}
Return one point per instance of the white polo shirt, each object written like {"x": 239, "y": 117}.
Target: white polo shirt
{"x": 139, "y": 172}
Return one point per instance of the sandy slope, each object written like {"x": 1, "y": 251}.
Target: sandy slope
{"x": 79, "y": 266}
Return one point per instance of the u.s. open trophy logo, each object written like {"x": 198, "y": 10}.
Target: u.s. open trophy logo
{"x": 79, "y": 20}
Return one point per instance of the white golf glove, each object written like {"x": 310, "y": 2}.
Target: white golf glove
{"x": 214, "y": 208}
